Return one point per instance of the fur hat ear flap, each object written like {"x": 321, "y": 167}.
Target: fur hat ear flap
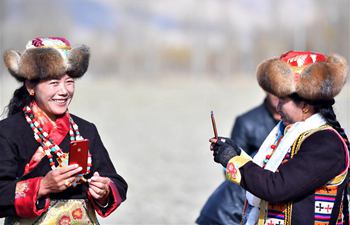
{"x": 78, "y": 61}
{"x": 323, "y": 80}
{"x": 276, "y": 77}
{"x": 11, "y": 60}
{"x": 338, "y": 67}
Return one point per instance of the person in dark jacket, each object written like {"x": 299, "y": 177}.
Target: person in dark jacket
{"x": 225, "y": 204}
{"x": 300, "y": 174}
{"x": 37, "y": 185}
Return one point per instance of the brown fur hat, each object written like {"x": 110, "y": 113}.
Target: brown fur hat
{"x": 312, "y": 76}
{"x": 46, "y": 58}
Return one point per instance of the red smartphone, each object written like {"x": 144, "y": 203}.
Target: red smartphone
{"x": 214, "y": 124}
{"x": 78, "y": 154}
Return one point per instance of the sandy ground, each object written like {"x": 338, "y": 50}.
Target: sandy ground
{"x": 157, "y": 135}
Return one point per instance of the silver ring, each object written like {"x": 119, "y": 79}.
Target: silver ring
{"x": 223, "y": 140}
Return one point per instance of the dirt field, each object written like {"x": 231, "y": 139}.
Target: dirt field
{"x": 157, "y": 134}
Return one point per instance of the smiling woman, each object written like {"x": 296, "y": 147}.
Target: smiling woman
{"x": 38, "y": 185}
{"x": 53, "y": 96}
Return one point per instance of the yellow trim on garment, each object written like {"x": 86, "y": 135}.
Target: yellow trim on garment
{"x": 262, "y": 212}
{"x": 232, "y": 169}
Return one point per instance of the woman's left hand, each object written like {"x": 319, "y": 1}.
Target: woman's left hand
{"x": 99, "y": 188}
{"x": 223, "y": 149}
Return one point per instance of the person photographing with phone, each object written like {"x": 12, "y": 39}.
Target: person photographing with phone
{"x": 300, "y": 173}
{"x": 54, "y": 168}
{"x": 225, "y": 204}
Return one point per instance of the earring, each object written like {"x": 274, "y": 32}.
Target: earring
{"x": 305, "y": 110}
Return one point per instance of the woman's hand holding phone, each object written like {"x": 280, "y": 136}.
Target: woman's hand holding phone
{"x": 58, "y": 180}
{"x": 223, "y": 148}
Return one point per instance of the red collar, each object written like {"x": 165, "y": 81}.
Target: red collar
{"x": 58, "y": 129}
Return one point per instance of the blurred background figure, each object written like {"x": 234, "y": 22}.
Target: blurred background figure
{"x": 225, "y": 205}
{"x": 163, "y": 65}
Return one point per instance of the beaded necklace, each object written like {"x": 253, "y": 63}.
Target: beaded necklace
{"x": 272, "y": 149}
{"x": 49, "y": 146}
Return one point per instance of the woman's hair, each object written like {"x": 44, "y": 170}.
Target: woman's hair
{"x": 325, "y": 108}
{"x": 19, "y": 99}
{"x": 328, "y": 114}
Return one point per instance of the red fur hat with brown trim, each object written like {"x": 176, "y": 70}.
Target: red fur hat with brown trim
{"x": 312, "y": 76}
{"x": 46, "y": 58}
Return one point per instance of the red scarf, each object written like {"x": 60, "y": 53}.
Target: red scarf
{"x": 57, "y": 131}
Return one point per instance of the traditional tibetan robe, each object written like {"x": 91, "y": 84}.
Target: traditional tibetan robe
{"x": 308, "y": 186}
{"x": 23, "y": 164}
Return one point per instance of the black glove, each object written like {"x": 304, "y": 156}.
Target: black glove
{"x": 224, "y": 149}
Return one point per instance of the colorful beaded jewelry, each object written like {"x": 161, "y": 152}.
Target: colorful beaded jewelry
{"x": 272, "y": 149}
{"x": 49, "y": 147}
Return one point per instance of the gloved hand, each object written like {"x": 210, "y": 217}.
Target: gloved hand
{"x": 223, "y": 150}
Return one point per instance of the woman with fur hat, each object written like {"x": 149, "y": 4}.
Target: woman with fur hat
{"x": 37, "y": 184}
{"x": 300, "y": 173}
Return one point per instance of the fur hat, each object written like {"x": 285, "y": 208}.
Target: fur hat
{"x": 46, "y": 58}
{"x": 312, "y": 76}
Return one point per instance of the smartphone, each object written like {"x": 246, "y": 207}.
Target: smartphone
{"x": 78, "y": 154}
{"x": 214, "y": 124}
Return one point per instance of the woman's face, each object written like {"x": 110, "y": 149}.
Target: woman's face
{"x": 54, "y": 96}
{"x": 290, "y": 111}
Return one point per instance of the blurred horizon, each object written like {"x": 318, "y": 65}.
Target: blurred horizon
{"x": 185, "y": 37}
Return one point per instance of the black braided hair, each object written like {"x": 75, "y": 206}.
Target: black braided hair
{"x": 328, "y": 114}
{"x": 19, "y": 99}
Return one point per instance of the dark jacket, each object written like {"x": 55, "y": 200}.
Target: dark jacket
{"x": 225, "y": 205}
{"x": 17, "y": 146}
